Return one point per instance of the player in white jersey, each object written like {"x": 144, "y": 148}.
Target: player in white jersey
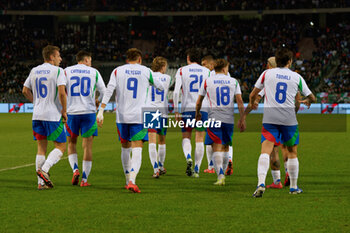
{"x": 158, "y": 101}
{"x": 131, "y": 82}
{"x": 209, "y": 62}
{"x": 82, "y": 83}
{"x": 279, "y": 119}
{"x": 45, "y": 88}
{"x": 221, "y": 91}
{"x": 190, "y": 78}
{"x": 274, "y": 156}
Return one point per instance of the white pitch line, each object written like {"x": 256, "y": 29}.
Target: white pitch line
{"x": 22, "y": 166}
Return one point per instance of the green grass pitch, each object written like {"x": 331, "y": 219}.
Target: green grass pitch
{"x": 175, "y": 202}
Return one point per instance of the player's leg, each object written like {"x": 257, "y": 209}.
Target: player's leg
{"x": 285, "y": 159}
{"x": 270, "y": 136}
{"x": 40, "y": 160}
{"x": 275, "y": 169}
{"x": 152, "y": 150}
{"x": 290, "y": 138}
{"x": 218, "y": 157}
{"x": 293, "y": 170}
{"x": 73, "y": 158}
{"x": 87, "y": 160}
{"x": 138, "y": 135}
{"x": 124, "y": 137}
{"x": 88, "y": 132}
{"x": 57, "y": 134}
{"x": 161, "y": 153}
{"x": 187, "y": 148}
{"x": 126, "y": 160}
{"x": 228, "y": 163}
{"x": 199, "y": 151}
{"x": 73, "y": 127}
{"x": 209, "y": 152}
{"x": 186, "y": 142}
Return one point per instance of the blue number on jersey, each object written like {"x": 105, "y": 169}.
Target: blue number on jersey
{"x": 131, "y": 85}
{"x": 41, "y": 88}
{"x": 222, "y": 96}
{"x": 195, "y": 81}
{"x": 281, "y": 91}
{"x": 158, "y": 92}
{"x": 84, "y": 81}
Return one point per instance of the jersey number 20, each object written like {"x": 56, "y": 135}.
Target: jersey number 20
{"x": 84, "y": 82}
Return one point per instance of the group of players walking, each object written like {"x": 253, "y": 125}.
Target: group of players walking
{"x": 65, "y": 104}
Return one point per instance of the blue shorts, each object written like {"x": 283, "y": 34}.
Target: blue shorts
{"x": 288, "y": 135}
{"x": 50, "y": 130}
{"x": 222, "y": 135}
{"x": 84, "y": 123}
{"x": 190, "y": 116}
{"x": 131, "y": 132}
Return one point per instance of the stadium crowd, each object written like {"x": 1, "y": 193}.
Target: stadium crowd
{"x": 245, "y": 45}
{"x": 170, "y": 5}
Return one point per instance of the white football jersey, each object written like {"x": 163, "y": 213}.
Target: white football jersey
{"x": 281, "y": 86}
{"x": 221, "y": 90}
{"x": 82, "y": 82}
{"x": 190, "y": 78}
{"x": 159, "y": 99}
{"x": 43, "y": 80}
{"x": 131, "y": 83}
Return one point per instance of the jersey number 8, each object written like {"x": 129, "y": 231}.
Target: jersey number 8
{"x": 281, "y": 92}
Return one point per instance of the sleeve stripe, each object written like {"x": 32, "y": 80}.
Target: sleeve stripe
{"x": 263, "y": 78}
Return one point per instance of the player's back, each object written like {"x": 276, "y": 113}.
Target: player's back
{"x": 43, "y": 81}
{"x": 281, "y": 86}
{"x": 132, "y": 83}
{"x": 192, "y": 77}
{"x": 82, "y": 81}
{"x": 221, "y": 90}
{"x": 157, "y": 99}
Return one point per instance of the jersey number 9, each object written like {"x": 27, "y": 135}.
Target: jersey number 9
{"x": 131, "y": 85}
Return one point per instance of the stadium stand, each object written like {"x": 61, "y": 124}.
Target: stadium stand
{"x": 321, "y": 48}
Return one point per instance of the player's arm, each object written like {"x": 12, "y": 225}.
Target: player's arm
{"x": 101, "y": 88}
{"x": 201, "y": 94}
{"x": 297, "y": 103}
{"x": 241, "y": 121}
{"x": 252, "y": 98}
{"x": 62, "y": 96}
{"x": 63, "y": 100}
{"x": 28, "y": 93}
{"x": 176, "y": 94}
{"x": 258, "y": 98}
{"x": 107, "y": 96}
{"x": 155, "y": 81}
{"x": 308, "y": 100}
{"x": 304, "y": 89}
{"x": 27, "y": 89}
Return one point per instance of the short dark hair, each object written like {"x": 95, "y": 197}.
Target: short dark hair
{"x": 220, "y": 64}
{"x": 283, "y": 56}
{"x": 48, "y": 51}
{"x": 81, "y": 55}
{"x": 133, "y": 54}
{"x": 194, "y": 55}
